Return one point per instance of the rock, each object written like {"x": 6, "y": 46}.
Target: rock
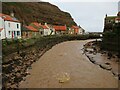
{"x": 8, "y": 69}
{"x": 105, "y": 66}
{"x": 91, "y": 59}
{"x": 27, "y": 73}
{"x": 17, "y": 79}
{"x": 29, "y": 67}
{"x": 94, "y": 53}
{"x": 90, "y": 49}
{"x": 90, "y": 52}
{"x": 14, "y": 86}
{"x": 18, "y": 74}
{"x": 104, "y": 52}
{"x": 107, "y": 63}
{"x": 109, "y": 55}
{"x": 17, "y": 57}
{"x": 8, "y": 84}
{"x": 115, "y": 73}
{"x": 23, "y": 54}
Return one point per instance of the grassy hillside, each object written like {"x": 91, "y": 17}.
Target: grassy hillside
{"x": 28, "y": 12}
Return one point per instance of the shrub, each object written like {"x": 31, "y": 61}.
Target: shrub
{"x": 111, "y": 39}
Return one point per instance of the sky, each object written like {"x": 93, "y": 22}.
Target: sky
{"x": 89, "y": 14}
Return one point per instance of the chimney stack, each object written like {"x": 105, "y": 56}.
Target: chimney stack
{"x": 12, "y": 14}
{"x": 106, "y": 15}
{"x": 45, "y": 24}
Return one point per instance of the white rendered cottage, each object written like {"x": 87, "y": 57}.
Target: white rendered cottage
{"x": 2, "y": 32}
{"x": 51, "y": 30}
{"x": 10, "y": 27}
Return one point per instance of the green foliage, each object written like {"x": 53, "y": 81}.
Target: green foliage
{"x": 42, "y": 12}
{"x": 111, "y": 39}
{"x": 40, "y": 42}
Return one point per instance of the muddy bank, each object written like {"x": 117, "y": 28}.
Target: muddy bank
{"x": 67, "y": 62}
{"x": 105, "y": 59}
{"x": 15, "y": 66}
{"x": 16, "y": 69}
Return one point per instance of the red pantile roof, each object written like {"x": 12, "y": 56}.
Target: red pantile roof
{"x": 43, "y": 26}
{"x": 75, "y": 27}
{"x": 1, "y": 29}
{"x": 39, "y": 25}
{"x": 60, "y": 28}
{"x": 31, "y": 28}
{"x": 8, "y": 18}
{"x": 36, "y": 24}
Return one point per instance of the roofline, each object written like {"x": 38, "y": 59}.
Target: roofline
{"x": 12, "y": 21}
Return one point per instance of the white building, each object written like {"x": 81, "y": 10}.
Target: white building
{"x": 46, "y": 30}
{"x": 11, "y": 27}
{"x": 51, "y": 30}
{"x": 81, "y": 30}
{"x": 2, "y": 31}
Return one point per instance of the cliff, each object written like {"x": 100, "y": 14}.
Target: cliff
{"x": 28, "y": 12}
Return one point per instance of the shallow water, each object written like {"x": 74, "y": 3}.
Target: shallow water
{"x": 68, "y": 57}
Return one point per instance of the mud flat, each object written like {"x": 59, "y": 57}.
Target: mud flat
{"x": 105, "y": 59}
{"x": 65, "y": 66}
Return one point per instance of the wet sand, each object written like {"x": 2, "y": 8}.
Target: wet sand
{"x": 67, "y": 57}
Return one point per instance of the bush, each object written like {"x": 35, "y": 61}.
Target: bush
{"x": 111, "y": 39}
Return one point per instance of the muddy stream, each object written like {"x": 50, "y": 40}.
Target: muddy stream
{"x": 65, "y": 66}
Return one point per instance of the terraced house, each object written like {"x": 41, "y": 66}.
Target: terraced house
{"x": 10, "y": 27}
{"x": 29, "y": 32}
{"x": 110, "y": 22}
{"x": 37, "y": 29}
{"x": 43, "y": 29}
{"x": 76, "y": 30}
{"x": 60, "y": 29}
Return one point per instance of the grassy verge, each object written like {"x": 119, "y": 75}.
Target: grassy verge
{"x": 11, "y": 46}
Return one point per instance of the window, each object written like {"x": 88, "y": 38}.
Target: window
{"x": 9, "y": 24}
{"x": 18, "y": 33}
{"x": 9, "y": 32}
{"x": 17, "y": 25}
{"x": 41, "y": 33}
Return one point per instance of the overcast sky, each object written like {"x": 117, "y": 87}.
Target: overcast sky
{"x": 90, "y": 15}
